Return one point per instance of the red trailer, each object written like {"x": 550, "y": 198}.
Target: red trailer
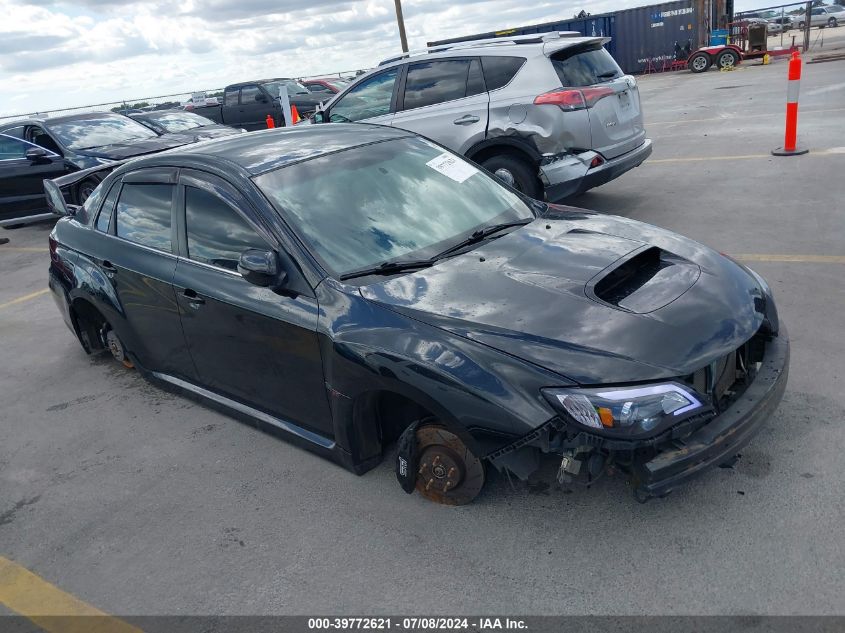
{"x": 748, "y": 40}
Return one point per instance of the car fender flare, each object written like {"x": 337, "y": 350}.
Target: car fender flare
{"x": 505, "y": 142}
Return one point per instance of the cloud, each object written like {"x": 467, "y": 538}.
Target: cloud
{"x": 61, "y": 53}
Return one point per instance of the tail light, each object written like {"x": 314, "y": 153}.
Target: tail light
{"x": 568, "y": 99}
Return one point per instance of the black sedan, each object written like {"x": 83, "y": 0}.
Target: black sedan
{"x": 23, "y": 167}
{"x": 192, "y": 127}
{"x": 90, "y": 140}
{"x": 351, "y": 286}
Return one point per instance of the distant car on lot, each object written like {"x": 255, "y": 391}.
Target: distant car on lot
{"x": 348, "y": 285}
{"x": 824, "y": 16}
{"x": 187, "y": 124}
{"x": 246, "y": 105}
{"x": 90, "y": 139}
{"x": 23, "y": 167}
{"x": 325, "y": 87}
{"x": 552, "y": 114}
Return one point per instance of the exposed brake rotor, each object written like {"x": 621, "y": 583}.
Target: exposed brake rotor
{"x": 117, "y": 350}
{"x": 448, "y": 472}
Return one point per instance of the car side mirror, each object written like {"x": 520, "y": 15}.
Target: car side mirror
{"x": 36, "y": 154}
{"x": 56, "y": 201}
{"x": 261, "y": 268}
{"x": 318, "y": 117}
{"x": 261, "y": 98}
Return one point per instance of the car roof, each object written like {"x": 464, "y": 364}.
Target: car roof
{"x": 532, "y": 45}
{"x": 255, "y": 82}
{"x": 266, "y": 150}
{"x": 46, "y": 120}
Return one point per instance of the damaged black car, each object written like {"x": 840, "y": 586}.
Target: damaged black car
{"x": 352, "y": 287}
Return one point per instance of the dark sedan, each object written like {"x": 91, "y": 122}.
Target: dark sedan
{"x": 90, "y": 140}
{"x": 23, "y": 167}
{"x": 192, "y": 127}
{"x": 350, "y": 285}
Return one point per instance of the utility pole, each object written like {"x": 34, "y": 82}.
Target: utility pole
{"x": 401, "y": 22}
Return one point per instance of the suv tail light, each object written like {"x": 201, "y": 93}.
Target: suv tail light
{"x": 569, "y": 99}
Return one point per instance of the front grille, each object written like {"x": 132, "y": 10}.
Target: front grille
{"x": 726, "y": 378}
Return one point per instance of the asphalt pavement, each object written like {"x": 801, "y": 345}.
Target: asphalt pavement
{"x": 141, "y": 502}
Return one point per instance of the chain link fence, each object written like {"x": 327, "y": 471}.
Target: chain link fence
{"x": 160, "y": 102}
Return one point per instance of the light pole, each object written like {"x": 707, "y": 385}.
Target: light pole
{"x": 401, "y": 22}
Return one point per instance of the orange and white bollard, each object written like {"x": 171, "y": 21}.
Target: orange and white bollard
{"x": 790, "y": 143}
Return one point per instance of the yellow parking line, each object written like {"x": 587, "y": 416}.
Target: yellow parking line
{"x": 32, "y": 295}
{"x": 51, "y": 608}
{"x": 24, "y": 249}
{"x": 833, "y": 151}
{"x": 799, "y": 259}
{"x": 731, "y": 117}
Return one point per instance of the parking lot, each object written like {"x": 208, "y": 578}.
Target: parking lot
{"x": 141, "y": 502}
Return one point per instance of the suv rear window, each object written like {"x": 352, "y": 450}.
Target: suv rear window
{"x": 498, "y": 71}
{"x": 585, "y": 67}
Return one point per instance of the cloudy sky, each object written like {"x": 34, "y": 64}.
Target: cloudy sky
{"x": 66, "y": 53}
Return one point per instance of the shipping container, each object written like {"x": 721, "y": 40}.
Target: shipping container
{"x": 642, "y": 37}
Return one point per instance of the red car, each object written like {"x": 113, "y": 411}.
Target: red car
{"x": 327, "y": 87}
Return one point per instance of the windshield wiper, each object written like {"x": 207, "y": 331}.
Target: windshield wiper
{"x": 480, "y": 235}
{"x": 389, "y": 268}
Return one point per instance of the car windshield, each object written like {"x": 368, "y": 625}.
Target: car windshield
{"x": 294, "y": 87}
{"x": 96, "y": 131}
{"x": 180, "y": 121}
{"x": 395, "y": 199}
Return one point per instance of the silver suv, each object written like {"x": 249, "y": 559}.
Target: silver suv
{"x": 549, "y": 113}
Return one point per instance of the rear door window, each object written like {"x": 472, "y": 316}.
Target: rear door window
{"x": 585, "y": 67}
{"x": 435, "y": 82}
{"x": 144, "y": 214}
{"x": 231, "y": 98}
{"x": 498, "y": 71}
{"x": 217, "y": 234}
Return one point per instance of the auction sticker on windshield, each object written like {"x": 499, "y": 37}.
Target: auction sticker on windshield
{"x": 453, "y": 167}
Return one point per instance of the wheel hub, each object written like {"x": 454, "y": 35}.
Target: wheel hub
{"x": 505, "y": 176}
{"x": 448, "y": 472}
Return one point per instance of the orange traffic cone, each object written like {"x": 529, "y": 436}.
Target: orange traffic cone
{"x": 270, "y": 121}
{"x": 294, "y": 114}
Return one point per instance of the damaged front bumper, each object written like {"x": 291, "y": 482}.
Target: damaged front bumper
{"x": 659, "y": 464}
{"x": 724, "y": 436}
{"x": 571, "y": 174}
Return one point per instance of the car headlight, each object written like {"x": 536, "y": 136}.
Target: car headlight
{"x": 627, "y": 410}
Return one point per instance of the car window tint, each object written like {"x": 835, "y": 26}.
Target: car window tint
{"x": 104, "y": 218}
{"x": 231, "y": 98}
{"x": 12, "y": 148}
{"x": 498, "y": 71}
{"x": 143, "y": 214}
{"x": 435, "y": 82}
{"x": 248, "y": 94}
{"x": 368, "y": 99}
{"x": 475, "y": 83}
{"x": 585, "y": 67}
{"x": 42, "y": 139}
{"x": 217, "y": 235}
{"x": 17, "y": 132}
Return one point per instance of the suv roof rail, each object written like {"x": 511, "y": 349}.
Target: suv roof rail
{"x": 534, "y": 38}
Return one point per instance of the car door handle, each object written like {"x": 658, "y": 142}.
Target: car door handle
{"x": 108, "y": 268}
{"x": 194, "y": 300}
{"x": 467, "y": 119}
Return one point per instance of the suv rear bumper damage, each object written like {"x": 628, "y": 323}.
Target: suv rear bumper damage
{"x": 721, "y": 439}
{"x": 572, "y": 175}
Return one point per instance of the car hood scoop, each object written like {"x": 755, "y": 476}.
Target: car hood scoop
{"x": 644, "y": 281}
{"x": 594, "y": 298}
